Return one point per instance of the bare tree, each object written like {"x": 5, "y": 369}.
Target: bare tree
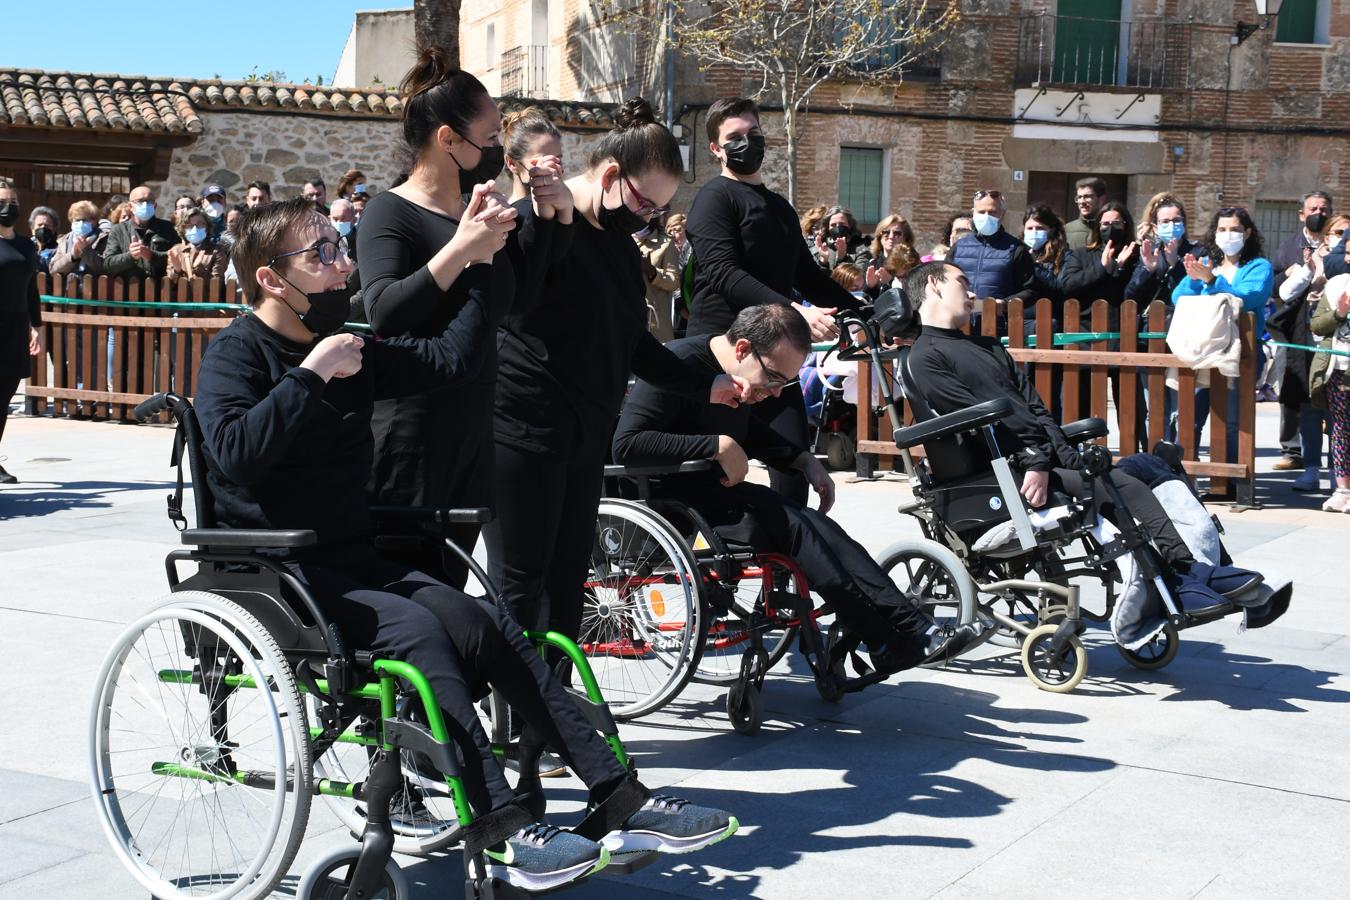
{"x": 436, "y": 23}
{"x": 793, "y": 47}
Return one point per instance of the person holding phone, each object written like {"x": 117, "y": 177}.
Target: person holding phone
{"x": 140, "y": 245}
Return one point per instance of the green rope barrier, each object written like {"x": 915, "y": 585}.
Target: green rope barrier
{"x": 1309, "y": 349}
{"x": 164, "y": 304}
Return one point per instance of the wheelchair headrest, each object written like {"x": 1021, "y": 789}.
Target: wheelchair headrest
{"x": 894, "y": 315}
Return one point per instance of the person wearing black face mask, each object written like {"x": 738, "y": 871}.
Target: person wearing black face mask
{"x": 20, "y": 311}
{"x": 43, "y": 225}
{"x": 748, "y": 251}
{"x": 564, "y": 365}
{"x": 414, "y": 244}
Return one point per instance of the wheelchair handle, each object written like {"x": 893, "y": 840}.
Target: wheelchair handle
{"x": 164, "y": 400}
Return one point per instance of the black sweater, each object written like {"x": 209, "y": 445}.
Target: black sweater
{"x": 19, "y": 306}
{"x": 748, "y": 251}
{"x": 660, "y": 427}
{"x": 283, "y": 448}
{"x": 563, "y": 365}
{"x": 953, "y": 372}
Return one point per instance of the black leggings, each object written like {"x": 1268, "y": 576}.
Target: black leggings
{"x": 539, "y": 543}
{"x": 1143, "y": 505}
{"x": 8, "y": 388}
{"x": 837, "y": 567}
{"x": 462, "y": 645}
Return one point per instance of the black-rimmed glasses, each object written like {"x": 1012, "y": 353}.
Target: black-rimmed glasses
{"x": 327, "y": 250}
{"x": 646, "y": 208}
{"x": 777, "y": 381}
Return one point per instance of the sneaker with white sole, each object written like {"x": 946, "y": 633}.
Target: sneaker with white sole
{"x": 1338, "y": 501}
{"x": 671, "y": 825}
{"x": 540, "y": 857}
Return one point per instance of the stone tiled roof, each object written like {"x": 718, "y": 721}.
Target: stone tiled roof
{"x": 168, "y": 105}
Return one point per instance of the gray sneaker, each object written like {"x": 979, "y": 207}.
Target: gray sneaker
{"x": 671, "y": 825}
{"x": 540, "y": 857}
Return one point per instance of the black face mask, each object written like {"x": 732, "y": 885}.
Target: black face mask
{"x": 621, "y": 220}
{"x": 9, "y": 213}
{"x": 45, "y": 237}
{"x": 1315, "y": 222}
{"x": 745, "y": 155}
{"x": 1113, "y": 234}
{"x": 327, "y": 311}
{"x": 839, "y": 231}
{"x": 490, "y": 162}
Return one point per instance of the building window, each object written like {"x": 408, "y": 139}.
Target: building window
{"x": 860, "y": 182}
{"x": 490, "y": 51}
{"x": 1303, "y": 22}
{"x": 1276, "y": 220}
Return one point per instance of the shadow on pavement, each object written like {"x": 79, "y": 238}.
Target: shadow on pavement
{"x": 31, "y": 499}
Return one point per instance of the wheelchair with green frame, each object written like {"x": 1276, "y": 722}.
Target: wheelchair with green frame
{"x": 222, "y": 711}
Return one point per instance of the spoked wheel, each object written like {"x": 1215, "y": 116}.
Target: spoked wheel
{"x": 329, "y": 878}
{"x": 933, "y": 577}
{"x": 641, "y": 620}
{"x": 1161, "y": 649}
{"x": 199, "y": 751}
{"x": 1022, "y": 607}
{"x": 729, "y": 634}
{"x": 1059, "y": 676}
{"x": 421, "y": 813}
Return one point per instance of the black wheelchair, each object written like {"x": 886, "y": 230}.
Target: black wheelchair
{"x": 224, "y": 709}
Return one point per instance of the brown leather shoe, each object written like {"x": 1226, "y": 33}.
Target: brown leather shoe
{"x": 1287, "y": 464}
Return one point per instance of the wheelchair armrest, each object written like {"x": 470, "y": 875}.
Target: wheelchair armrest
{"x": 958, "y": 422}
{"x": 638, "y": 471}
{"x": 250, "y": 538}
{"x": 1085, "y": 430}
{"x": 480, "y": 515}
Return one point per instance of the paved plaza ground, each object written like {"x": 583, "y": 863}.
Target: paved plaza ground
{"x": 1224, "y": 775}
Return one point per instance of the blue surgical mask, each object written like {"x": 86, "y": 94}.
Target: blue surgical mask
{"x": 985, "y": 223}
{"x": 1035, "y": 238}
{"x": 343, "y": 228}
{"x": 1170, "y": 231}
{"x": 82, "y": 228}
{"x": 145, "y": 210}
{"x": 195, "y": 235}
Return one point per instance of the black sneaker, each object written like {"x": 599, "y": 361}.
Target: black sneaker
{"x": 540, "y": 857}
{"x": 6, "y": 478}
{"x": 671, "y": 825}
{"x": 947, "y": 642}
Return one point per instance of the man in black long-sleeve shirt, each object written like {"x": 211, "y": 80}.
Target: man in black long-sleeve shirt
{"x": 657, "y": 426}
{"x": 285, "y": 416}
{"x": 954, "y": 371}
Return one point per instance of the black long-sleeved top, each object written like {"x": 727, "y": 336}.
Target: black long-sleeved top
{"x": 19, "y": 306}
{"x": 953, "y": 372}
{"x": 1086, "y": 280}
{"x": 748, "y": 251}
{"x": 284, "y": 449}
{"x": 657, "y": 426}
{"x": 1147, "y": 285}
{"x": 563, "y": 365}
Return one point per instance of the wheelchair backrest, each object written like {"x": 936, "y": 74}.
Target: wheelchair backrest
{"x": 948, "y": 459}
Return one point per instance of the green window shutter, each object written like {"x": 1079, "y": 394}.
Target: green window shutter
{"x": 1087, "y": 34}
{"x": 1297, "y": 22}
{"x": 860, "y": 174}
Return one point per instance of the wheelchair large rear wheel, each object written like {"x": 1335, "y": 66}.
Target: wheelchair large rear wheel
{"x": 642, "y": 619}
{"x": 199, "y": 751}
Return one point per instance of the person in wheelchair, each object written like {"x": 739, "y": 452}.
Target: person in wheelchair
{"x": 657, "y": 427}
{"x": 952, "y": 371}
{"x": 285, "y": 407}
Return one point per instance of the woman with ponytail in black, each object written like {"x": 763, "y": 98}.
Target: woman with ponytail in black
{"x": 564, "y": 367}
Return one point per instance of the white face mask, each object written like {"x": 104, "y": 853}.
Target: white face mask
{"x": 1035, "y": 238}
{"x": 985, "y": 223}
{"x": 215, "y": 210}
{"x": 1230, "y": 242}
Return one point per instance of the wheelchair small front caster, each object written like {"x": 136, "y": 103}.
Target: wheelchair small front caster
{"x": 328, "y": 878}
{"x": 745, "y": 708}
{"x": 1157, "y": 653}
{"x": 1060, "y": 673}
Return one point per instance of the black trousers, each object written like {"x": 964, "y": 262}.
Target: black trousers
{"x": 786, "y": 414}
{"x": 8, "y": 388}
{"x": 836, "y": 566}
{"x": 1144, "y": 506}
{"x": 462, "y": 645}
{"x": 539, "y": 544}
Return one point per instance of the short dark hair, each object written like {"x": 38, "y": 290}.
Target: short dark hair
{"x": 260, "y": 234}
{"x": 1098, "y": 186}
{"x": 316, "y": 181}
{"x": 725, "y": 108}
{"x": 916, "y": 282}
{"x": 263, "y": 186}
{"x": 765, "y": 326}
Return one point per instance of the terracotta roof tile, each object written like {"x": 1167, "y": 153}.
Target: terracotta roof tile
{"x": 140, "y": 103}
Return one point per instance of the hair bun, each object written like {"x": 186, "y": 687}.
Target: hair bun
{"x": 432, "y": 67}
{"x": 634, "y": 113}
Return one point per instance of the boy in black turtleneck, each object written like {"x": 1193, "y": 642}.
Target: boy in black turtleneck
{"x": 285, "y": 414}
{"x": 954, "y": 371}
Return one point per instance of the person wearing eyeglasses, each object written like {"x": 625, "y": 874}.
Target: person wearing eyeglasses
{"x": 563, "y": 367}
{"x": 76, "y": 253}
{"x": 998, "y": 265}
{"x": 1088, "y": 197}
{"x": 766, "y": 346}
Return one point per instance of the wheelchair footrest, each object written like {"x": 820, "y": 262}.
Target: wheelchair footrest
{"x": 496, "y": 889}
{"x": 628, "y": 863}
{"x": 853, "y": 685}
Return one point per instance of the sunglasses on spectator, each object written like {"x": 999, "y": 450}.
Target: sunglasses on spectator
{"x": 980, "y": 195}
{"x": 893, "y": 232}
{"x": 776, "y": 381}
{"x": 646, "y": 208}
{"x": 327, "y": 250}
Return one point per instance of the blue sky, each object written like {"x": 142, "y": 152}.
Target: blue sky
{"x": 302, "y": 38}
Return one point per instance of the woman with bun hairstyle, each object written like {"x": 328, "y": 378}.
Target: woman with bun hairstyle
{"x": 435, "y": 449}
{"x": 563, "y": 368}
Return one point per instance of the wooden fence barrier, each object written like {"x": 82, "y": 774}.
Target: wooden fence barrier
{"x": 1090, "y": 368}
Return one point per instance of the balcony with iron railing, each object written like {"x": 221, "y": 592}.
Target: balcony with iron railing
{"x": 525, "y": 72}
{"x": 1151, "y": 54}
